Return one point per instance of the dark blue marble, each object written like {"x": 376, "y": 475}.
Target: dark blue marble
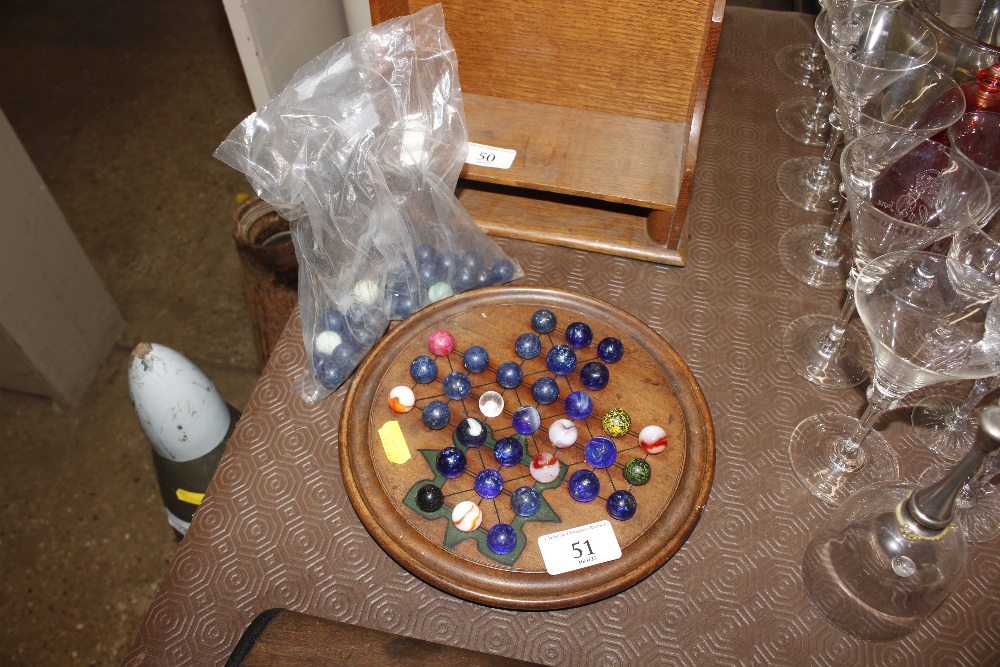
{"x": 561, "y": 359}
{"x": 527, "y": 346}
{"x": 332, "y": 320}
{"x": 579, "y": 335}
{"x": 509, "y": 375}
{"x": 423, "y": 369}
{"x": 329, "y": 373}
{"x": 451, "y": 462}
{"x": 424, "y": 253}
{"x": 484, "y": 278}
{"x": 610, "y": 350}
{"x": 600, "y": 452}
{"x": 543, "y": 321}
{"x": 436, "y": 415}
{"x": 594, "y": 375}
{"x": 456, "y": 385}
{"x": 545, "y": 390}
{"x": 503, "y": 270}
{"x": 501, "y": 538}
{"x": 508, "y": 451}
{"x": 489, "y": 483}
{"x": 471, "y": 432}
{"x": 346, "y": 355}
{"x": 471, "y": 260}
{"x": 365, "y": 323}
{"x": 446, "y": 264}
{"x": 401, "y": 305}
{"x": 526, "y": 420}
{"x": 621, "y": 505}
{"x": 428, "y": 274}
{"x": 525, "y": 501}
{"x": 476, "y": 359}
{"x": 429, "y": 498}
{"x": 583, "y": 485}
{"x": 578, "y": 405}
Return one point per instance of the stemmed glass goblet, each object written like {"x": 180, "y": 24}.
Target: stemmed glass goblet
{"x": 930, "y": 319}
{"x": 923, "y": 102}
{"x": 976, "y": 136}
{"x": 904, "y": 193}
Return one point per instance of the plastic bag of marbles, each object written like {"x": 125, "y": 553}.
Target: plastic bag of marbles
{"x": 361, "y": 152}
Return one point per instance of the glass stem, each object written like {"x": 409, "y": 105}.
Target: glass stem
{"x": 982, "y": 387}
{"x": 879, "y": 400}
{"x": 827, "y": 249}
{"x": 834, "y": 338}
{"x": 826, "y": 161}
{"x": 990, "y": 467}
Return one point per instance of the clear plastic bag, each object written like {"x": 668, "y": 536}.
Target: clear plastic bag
{"x": 361, "y": 152}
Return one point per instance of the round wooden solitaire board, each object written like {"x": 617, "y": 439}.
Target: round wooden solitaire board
{"x": 651, "y": 382}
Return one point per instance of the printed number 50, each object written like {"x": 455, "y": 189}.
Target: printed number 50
{"x": 487, "y": 157}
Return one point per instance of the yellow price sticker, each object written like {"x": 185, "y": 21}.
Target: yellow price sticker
{"x": 393, "y": 442}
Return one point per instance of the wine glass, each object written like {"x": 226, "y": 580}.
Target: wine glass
{"x": 867, "y": 47}
{"x": 904, "y": 192}
{"x": 977, "y": 137}
{"x": 890, "y": 555}
{"x": 923, "y": 102}
{"x": 930, "y": 319}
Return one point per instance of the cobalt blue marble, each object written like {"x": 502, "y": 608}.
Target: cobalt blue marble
{"x": 456, "y": 385}
{"x": 471, "y": 432}
{"x": 610, "y": 350}
{"x": 579, "y": 335}
{"x": 427, "y": 274}
{"x": 329, "y": 373}
{"x": 423, "y": 369}
{"x": 451, "y": 462}
{"x": 543, "y": 321}
{"x": 508, "y": 451}
{"x": 401, "y": 304}
{"x": 436, "y": 415}
{"x": 489, "y": 483}
{"x": 509, "y": 375}
{"x": 484, "y": 278}
{"x": 365, "y": 324}
{"x": 501, "y": 538}
{"x": 526, "y": 420}
{"x": 594, "y": 375}
{"x": 424, "y": 253}
{"x": 476, "y": 359}
{"x": 545, "y": 390}
{"x": 561, "y": 359}
{"x": 503, "y": 270}
{"x": 578, "y": 405}
{"x": 621, "y": 505}
{"x": 446, "y": 264}
{"x": 527, "y": 346}
{"x": 583, "y": 485}
{"x": 471, "y": 260}
{"x": 464, "y": 278}
{"x": 333, "y": 320}
{"x": 525, "y": 501}
{"x": 600, "y": 452}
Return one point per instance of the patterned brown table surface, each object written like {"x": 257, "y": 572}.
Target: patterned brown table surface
{"x": 277, "y": 528}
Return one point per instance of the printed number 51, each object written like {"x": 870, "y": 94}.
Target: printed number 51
{"x": 578, "y": 552}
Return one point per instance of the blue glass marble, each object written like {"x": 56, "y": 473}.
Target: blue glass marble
{"x": 365, "y": 324}
{"x": 446, "y": 263}
{"x": 484, "y": 278}
{"x": 463, "y": 278}
{"x": 578, "y": 405}
{"x": 423, "y": 369}
{"x": 509, "y": 375}
{"x": 525, "y": 501}
{"x": 508, "y": 451}
{"x": 527, "y": 346}
{"x": 526, "y": 420}
{"x": 561, "y": 359}
{"x": 329, "y": 373}
{"x": 427, "y": 274}
{"x": 424, "y": 253}
{"x": 429, "y": 498}
{"x": 476, "y": 359}
{"x": 471, "y": 260}
{"x": 456, "y": 385}
{"x": 594, "y": 375}
{"x": 471, "y": 432}
{"x": 503, "y": 270}
{"x": 579, "y": 335}
{"x": 545, "y": 390}
{"x": 451, "y": 462}
{"x": 600, "y": 452}
{"x": 436, "y": 415}
{"x": 583, "y": 485}
{"x": 501, "y": 538}
{"x": 621, "y": 505}
{"x": 489, "y": 483}
{"x": 610, "y": 350}
{"x": 333, "y": 320}
{"x": 543, "y": 321}
{"x": 401, "y": 304}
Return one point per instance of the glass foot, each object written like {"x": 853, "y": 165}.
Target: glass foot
{"x": 798, "y": 183}
{"x": 934, "y": 425}
{"x": 847, "y": 367}
{"x": 799, "y": 252}
{"x": 812, "y": 451}
{"x": 798, "y": 119}
{"x": 795, "y": 63}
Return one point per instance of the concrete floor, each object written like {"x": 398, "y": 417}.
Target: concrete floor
{"x": 120, "y": 105}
